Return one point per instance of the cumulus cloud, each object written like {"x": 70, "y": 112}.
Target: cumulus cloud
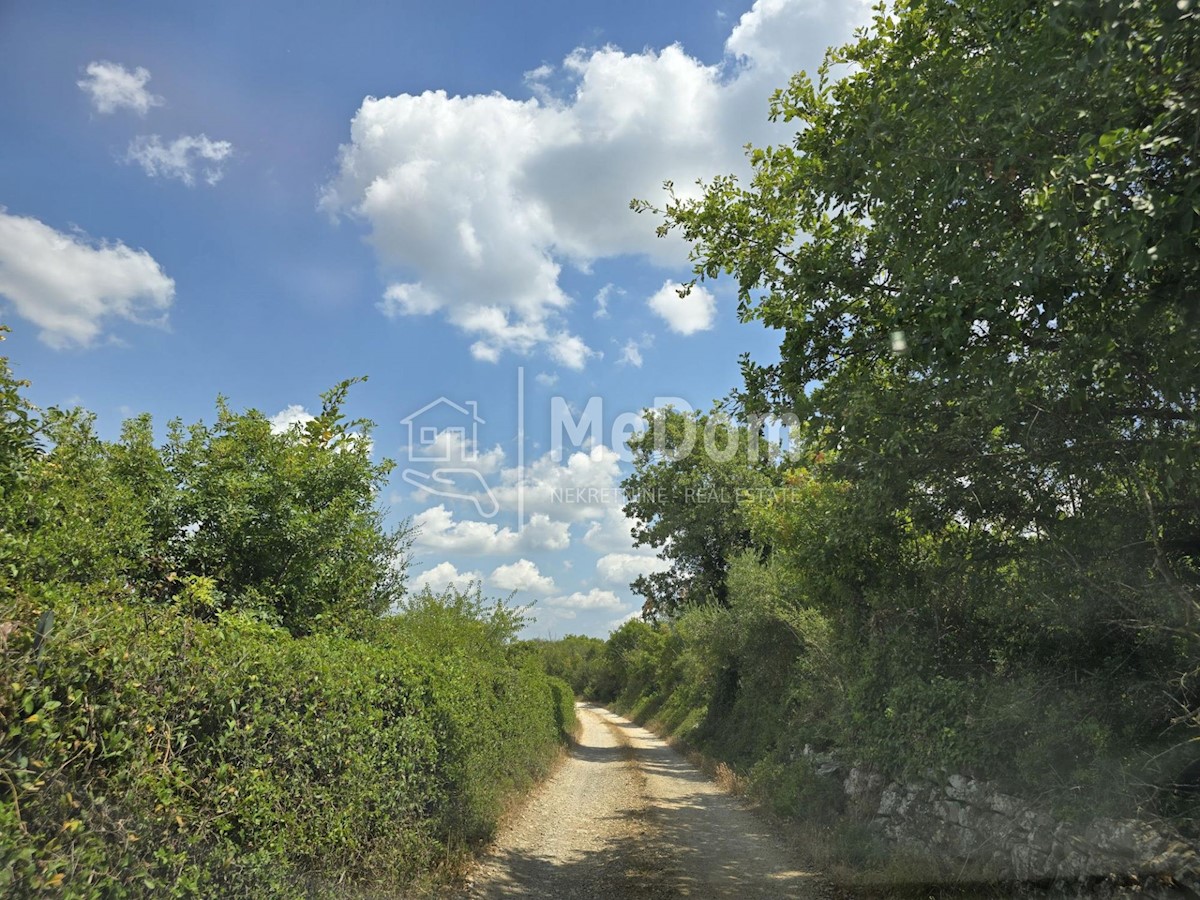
{"x": 571, "y": 351}
{"x": 612, "y": 533}
{"x": 555, "y": 492}
{"x": 182, "y": 158}
{"x": 111, "y": 86}
{"x": 442, "y": 576}
{"x": 438, "y": 529}
{"x": 522, "y": 575}
{"x": 622, "y": 568}
{"x": 284, "y": 420}
{"x": 578, "y": 488}
{"x": 777, "y": 35}
{"x": 684, "y": 315}
{"x": 621, "y": 620}
{"x": 481, "y": 200}
{"x": 596, "y": 598}
{"x": 68, "y": 285}
{"x": 451, "y": 447}
{"x": 546, "y": 379}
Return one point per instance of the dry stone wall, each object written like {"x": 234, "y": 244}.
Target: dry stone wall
{"x": 972, "y": 822}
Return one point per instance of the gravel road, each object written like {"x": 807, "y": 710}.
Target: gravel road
{"x": 626, "y": 816}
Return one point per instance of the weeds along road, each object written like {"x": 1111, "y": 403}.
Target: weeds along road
{"x": 626, "y": 816}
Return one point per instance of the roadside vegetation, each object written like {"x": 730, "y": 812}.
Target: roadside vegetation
{"x": 211, "y": 681}
{"x": 980, "y": 552}
{"x": 975, "y": 549}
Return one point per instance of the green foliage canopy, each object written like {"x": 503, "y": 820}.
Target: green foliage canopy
{"x": 288, "y": 521}
{"x": 982, "y": 251}
{"x": 690, "y": 472}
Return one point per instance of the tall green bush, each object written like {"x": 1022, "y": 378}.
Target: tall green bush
{"x": 147, "y": 752}
{"x": 198, "y": 694}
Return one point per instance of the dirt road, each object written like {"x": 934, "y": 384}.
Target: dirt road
{"x": 626, "y": 816}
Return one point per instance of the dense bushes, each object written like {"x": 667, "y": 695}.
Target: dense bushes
{"x": 283, "y": 523}
{"x": 1090, "y": 715}
{"x": 980, "y": 551}
{"x": 150, "y": 751}
{"x": 198, "y": 695}
{"x": 576, "y": 659}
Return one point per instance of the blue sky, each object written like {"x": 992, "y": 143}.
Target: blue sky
{"x": 259, "y": 200}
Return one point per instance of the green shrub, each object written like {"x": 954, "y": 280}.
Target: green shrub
{"x": 563, "y": 700}
{"x": 793, "y": 788}
{"x": 575, "y": 659}
{"x": 198, "y": 695}
{"x": 153, "y": 753}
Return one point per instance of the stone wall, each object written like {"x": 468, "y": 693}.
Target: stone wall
{"x": 973, "y": 823}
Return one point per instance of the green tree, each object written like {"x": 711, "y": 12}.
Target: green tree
{"x": 19, "y": 426}
{"x": 690, "y": 471}
{"x": 81, "y": 523}
{"x": 19, "y": 446}
{"x": 982, "y": 251}
{"x": 229, "y": 515}
{"x": 575, "y": 658}
{"x": 287, "y": 521}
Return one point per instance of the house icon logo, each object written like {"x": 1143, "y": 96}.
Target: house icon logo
{"x": 429, "y": 442}
{"x": 446, "y": 434}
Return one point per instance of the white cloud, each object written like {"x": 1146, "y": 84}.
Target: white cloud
{"x": 286, "y": 418}
{"x": 621, "y": 620}
{"x": 68, "y": 285}
{"x": 684, "y": 315}
{"x": 442, "y": 576}
{"x": 181, "y": 158}
{"x": 623, "y": 568}
{"x": 571, "y": 352}
{"x": 773, "y": 34}
{"x": 552, "y": 491}
{"x": 522, "y": 575}
{"x": 541, "y": 73}
{"x": 596, "y": 598}
{"x": 111, "y": 87}
{"x": 545, "y": 379}
{"x": 437, "y": 529}
{"x": 613, "y": 533}
{"x": 485, "y": 352}
{"x": 408, "y": 300}
{"x": 581, "y": 487}
{"x": 482, "y": 199}
{"x": 450, "y": 447}
{"x": 434, "y": 176}
{"x": 602, "y": 297}
{"x": 631, "y": 354}
{"x": 543, "y": 533}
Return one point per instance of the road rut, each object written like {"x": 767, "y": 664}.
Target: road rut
{"x": 626, "y": 816}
